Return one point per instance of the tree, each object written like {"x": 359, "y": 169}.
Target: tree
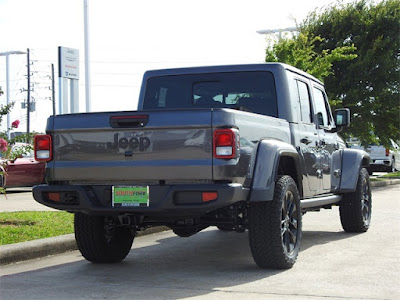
{"x": 369, "y": 83}
{"x": 299, "y": 52}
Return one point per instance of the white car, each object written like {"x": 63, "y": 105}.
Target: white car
{"x": 381, "y": 158}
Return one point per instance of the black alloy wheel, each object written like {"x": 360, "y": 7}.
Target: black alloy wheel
{"x": 289, "y": 223}
{"x": 275, "y": 227}
{"x": 356, "y": 208}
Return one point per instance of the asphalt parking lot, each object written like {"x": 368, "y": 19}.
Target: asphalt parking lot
{"x": 218, "y": 265}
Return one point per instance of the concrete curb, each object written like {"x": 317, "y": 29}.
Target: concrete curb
{"x": 384, "y": 182}
{"x": 38, "y": 248}
{"x": 55, "y": 245}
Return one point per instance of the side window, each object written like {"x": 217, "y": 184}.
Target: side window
{"x": 321, "y": 109}
{"x": 304, "y": 98}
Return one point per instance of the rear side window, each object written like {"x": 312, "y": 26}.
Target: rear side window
{"x": 248, "y": 91}
{"x": 304, "y": 98}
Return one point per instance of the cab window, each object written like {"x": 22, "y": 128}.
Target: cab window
{"x": 304, "y": 99}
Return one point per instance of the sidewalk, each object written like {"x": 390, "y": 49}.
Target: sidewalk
{"x": 49, "y": 246}
{"x": 20, "y": 199}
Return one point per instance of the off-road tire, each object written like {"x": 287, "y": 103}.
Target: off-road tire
{"x": 99, "y": 241}
{"x": 275, "y": 227}
{"x": 355, "y": 208}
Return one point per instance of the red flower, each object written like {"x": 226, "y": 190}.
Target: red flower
{"x": 15, "y": 124}
{"x": 3, "y": 145}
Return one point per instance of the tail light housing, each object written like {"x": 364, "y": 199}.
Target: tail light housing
{"x": 43, "y": 147}
{"x": 225, "y": 143}
{"x": 387, "y": 151}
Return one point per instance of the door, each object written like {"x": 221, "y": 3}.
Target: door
{"x": 309, "y": 140}
{"x": 327, "y": 143}
{"x": 24, "y": 171}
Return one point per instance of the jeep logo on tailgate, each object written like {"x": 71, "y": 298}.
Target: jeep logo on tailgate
{"x": 134, "y": 142}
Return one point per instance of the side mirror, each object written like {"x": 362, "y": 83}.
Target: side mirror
{"x": 342, "y": 118}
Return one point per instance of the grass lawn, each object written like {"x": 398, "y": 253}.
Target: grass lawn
{"x": 25, "y": 226}
{"x": 391, "y": 175}
{"x": 395, "y": 175}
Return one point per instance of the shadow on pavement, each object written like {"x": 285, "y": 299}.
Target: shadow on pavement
{"x": 313, "y": 238}
{"x": 168, "y": 268}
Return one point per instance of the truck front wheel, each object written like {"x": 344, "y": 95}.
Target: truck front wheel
{"x": 355, "y": 208}
{"x": 275, "y": 227}
{"x": 100, "y": 239}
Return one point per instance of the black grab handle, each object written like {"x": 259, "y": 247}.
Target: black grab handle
{"x": 129, "y": 121}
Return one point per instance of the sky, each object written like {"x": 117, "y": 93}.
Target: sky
{"x": 126, "y": 38}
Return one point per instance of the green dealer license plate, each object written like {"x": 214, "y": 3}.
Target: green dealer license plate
{"x": 125, "y": 196}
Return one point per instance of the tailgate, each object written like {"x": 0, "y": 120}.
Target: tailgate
{"x": 377, "y": 152}
{"x": 132, "y": 146}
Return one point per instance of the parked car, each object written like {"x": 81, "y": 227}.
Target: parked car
{"x": 23, "y": 171}
{"x": 382, "y": 159}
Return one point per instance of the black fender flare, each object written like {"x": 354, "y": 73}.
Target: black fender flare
{"x": 352, "y": 162}
{"x": 266, "y": 165}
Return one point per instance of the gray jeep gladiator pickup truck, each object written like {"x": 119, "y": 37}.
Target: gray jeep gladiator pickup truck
{"x": 241, "y": 147}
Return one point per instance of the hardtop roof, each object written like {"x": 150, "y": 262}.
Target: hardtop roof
{"x": 271, "y": 66}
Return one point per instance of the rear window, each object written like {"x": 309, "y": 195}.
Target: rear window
{"x": 248, "y": 91}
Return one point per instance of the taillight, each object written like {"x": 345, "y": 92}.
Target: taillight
{"x": 43, "y": 147}
{"x": 224, "y": 143}
{"x": 387, "y": 152}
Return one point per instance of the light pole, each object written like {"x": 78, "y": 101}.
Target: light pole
{"x": 87, "y": 55}
{"x": 6, "y": 54}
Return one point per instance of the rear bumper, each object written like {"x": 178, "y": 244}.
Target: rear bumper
{"x": 164, "y": 201}
{"x": 380, "y": 164}
{"x": 386, "y": 161}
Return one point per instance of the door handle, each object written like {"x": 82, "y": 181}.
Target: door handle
{"x": 305, "y": 140}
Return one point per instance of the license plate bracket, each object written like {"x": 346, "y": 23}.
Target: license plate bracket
{"x": 130, "y": 196}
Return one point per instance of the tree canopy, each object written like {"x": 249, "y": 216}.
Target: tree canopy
{"x": 300, "y": 52}
{"x": 355, "y": 49}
